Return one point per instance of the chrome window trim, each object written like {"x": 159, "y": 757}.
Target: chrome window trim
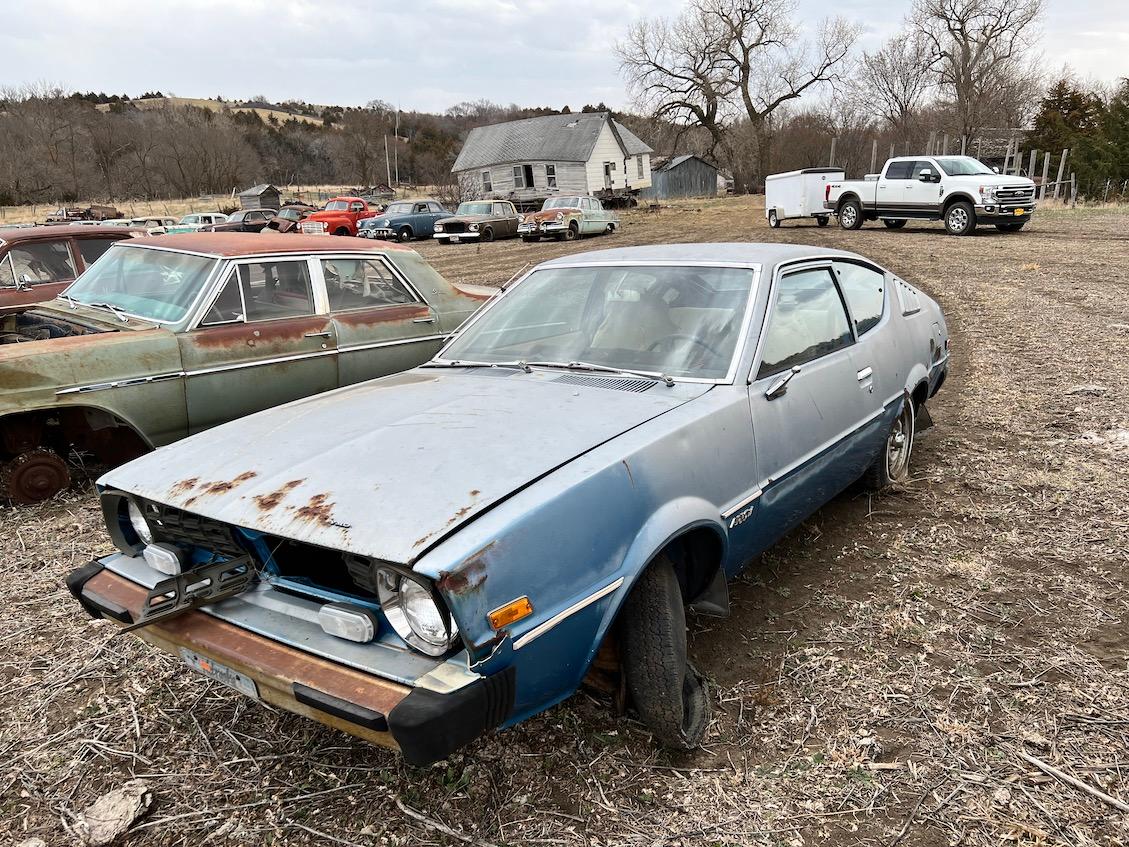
{"x": 742, "y": 339}
{"x": 232, "y": 266}
{"x": 399, "y": 275}
{"x": 11, "y": 266}
{"x": 372, "y": 345}
{"x": 547, "y": 625}
{"x": 734, "y": 509}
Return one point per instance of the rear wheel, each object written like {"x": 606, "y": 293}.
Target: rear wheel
{"x": 894, "y": 223}
{"x": 960, "y": 218}
{"x": 1011, "y": 227}
{"x": 821, "y": 220}
{"x": 773, "y": 220}
{"x": 667, "y": 692}
{"x": 892, "y": 464}
{"x": 34, "y": 476}
{"x": 850, "y": 215}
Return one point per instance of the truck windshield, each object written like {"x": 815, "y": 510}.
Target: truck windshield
{"x": 673, "y": 320}
{"x": 336, "y": 206}
{"x": 964, "y": 166}
{"x": 159, "y": 285}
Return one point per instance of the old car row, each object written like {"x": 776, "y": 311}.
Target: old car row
{"x": 668, "y": 412}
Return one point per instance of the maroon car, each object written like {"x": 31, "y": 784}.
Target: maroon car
{"x": 37, "y": 262}
{"x": 248, "y": 220}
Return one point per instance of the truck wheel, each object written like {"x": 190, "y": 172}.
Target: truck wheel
{"x": 892, "y": 464}
{"x": 341, "y": 231}
{"x": 960, "y": 219}
{"x": 34, "y": 476}
{"x": 850, "y": 215}
{"x": 1011, "y": 227}
{"x": 668, "y": 695}
{"x": 821, "y": 220}
{"x": 405, "y": 233}
{"x": 894, "y": 223}
{"x": 773, "y": 220}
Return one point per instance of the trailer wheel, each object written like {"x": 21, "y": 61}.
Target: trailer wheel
{"x": 894, "y": 223}
{"x": 850, "y": 215}
{"x": 821, "y": 220}
{"x": 773, "y": 221}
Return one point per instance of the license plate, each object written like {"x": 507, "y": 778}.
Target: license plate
{"x": 1021, "y": 211}
{"x": 454, "y": 239}
{"x": 220, "y": 673}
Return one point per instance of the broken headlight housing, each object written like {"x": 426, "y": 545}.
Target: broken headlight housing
{"x": 138, "y": 522}
{"x": 415, "y": 612}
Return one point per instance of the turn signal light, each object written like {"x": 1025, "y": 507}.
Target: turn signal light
{"x": 513, "y": 611}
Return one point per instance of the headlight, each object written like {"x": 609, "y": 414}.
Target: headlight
{"x": 521, "y": 219}
{"x": 413, "y": 610}
{"x": 138, "y": 522}
{"x": 439, "y": 227}
{"x": 988, "y": 192}
{"x": 473, "y": 227}
{"x": 560, "y": 216}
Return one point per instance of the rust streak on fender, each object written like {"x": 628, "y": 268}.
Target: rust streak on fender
{"x": 469, "y": 577}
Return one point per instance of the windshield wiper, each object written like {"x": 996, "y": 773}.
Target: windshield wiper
{"x": 590, "y": 366}
{"x": 470, "y": 363}
{"x": 71, "y": 300}
{"x": 113, "y": 310}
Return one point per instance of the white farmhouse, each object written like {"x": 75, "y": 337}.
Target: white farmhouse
{"x": 529, "y": 160}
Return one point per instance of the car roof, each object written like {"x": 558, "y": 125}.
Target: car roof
{"x": 230, "y": 244}
{"x": 743, "y": 253}
{"x": 11, "y": 234}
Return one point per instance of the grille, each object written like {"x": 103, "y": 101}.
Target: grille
{"x": 614, "y": 383}
{"x": 455, "y": 227}
{"x": 187, "y": 529}
{"x": 1015, "y": 193}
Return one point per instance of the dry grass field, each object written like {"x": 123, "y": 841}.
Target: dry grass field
{"x": 216, "y": 106}
{"x": 887, "y": 675}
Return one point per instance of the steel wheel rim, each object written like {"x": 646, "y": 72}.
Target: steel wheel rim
{"x": 848, "y": 215}
{"x": 958, "y": 219}
{"x": 899, "y": 443}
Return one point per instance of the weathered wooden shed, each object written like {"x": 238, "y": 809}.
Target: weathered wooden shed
{"x": 264, "y": 196}
{"x": 681, "y": 176}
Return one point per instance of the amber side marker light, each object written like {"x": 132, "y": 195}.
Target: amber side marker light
{"x": 513, "y": 611}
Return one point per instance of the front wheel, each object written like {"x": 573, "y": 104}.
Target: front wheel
{"x": 773, "y": 220}
{"x": 487, "y": 235}
{"x": 405, "y": 233}
{"x": 892, "y": 464}
{"x": 894, "y": 223}
{"x": 1011, "y": 227}
{"x": 850, "y": 215}
{"x": 572, "y": 233}
{"x": 341, "y": 231}
{"x": 960, "y": 219}
{"x": 34, "y": 476}
{"x": 668, "y": 695}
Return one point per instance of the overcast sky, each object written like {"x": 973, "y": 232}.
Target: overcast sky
{"x": 423, "y": 54}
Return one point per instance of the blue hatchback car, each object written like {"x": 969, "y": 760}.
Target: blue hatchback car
{"x": 423, "y": 558}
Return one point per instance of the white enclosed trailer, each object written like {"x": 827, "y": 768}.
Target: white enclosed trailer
{"x": 799, "y": 194}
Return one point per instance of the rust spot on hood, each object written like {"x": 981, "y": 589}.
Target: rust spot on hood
{"x": 318, "y": 509}
{"x": 266, "y": 502}
{"x": 185, "y": 485}
{"x": 211, "y": 488}
{"x": 551, "y": 214}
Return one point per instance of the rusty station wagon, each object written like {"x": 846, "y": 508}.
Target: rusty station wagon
{"x": 169, "y": 335}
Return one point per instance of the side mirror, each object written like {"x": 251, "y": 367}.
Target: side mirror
{"x": 779, "y": 386}
{"x": 926, "y": 175}
{"x": 995, "y": 169}
{"x": 23, "y": 283}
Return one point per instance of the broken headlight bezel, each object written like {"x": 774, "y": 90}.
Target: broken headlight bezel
{"x": 392, "y": 589}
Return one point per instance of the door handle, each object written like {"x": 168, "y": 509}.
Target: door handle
{"x": 430, "y": 319}
{"x": 865, "y": 373}
{"x": 325, "y": 334}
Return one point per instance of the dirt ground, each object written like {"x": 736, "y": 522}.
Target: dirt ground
{"x": 887, "y": 675}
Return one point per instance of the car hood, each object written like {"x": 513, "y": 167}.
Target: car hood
{"x": 389, "y": 467}
{"x": 471, "y": 219}
{"x": 550, "y": 214}
{"x": 1000, "y": 179}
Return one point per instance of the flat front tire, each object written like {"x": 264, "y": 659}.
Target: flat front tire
{"x": 668, "y": 694}
{"x": 850, "y": 215}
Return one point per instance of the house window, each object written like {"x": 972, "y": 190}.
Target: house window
{"x": 551, "y": 175}
{"x": 519, "y": 179}
{"x": 487, "y": 186}
{"x": 639, "y": 166}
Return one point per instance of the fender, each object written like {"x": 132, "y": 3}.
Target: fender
{"x": 959, "y": 194}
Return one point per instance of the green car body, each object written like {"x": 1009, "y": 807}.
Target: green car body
{"x": 190, "y": 331}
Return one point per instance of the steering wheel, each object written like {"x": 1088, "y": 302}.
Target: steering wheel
{"x": 678, "y": 336}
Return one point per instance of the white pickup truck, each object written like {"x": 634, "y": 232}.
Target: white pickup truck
{"x": 959, "y": 190}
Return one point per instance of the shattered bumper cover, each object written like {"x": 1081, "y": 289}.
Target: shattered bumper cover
{"x": 426, "y": 722}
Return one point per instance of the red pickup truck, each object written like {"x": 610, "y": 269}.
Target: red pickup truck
{"x": 339, "y": 217}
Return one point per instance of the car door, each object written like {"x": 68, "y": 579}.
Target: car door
{"x": 35, "y": 271}
{"x": 806, "y": 400}
{"x": 382, "y": 323}
{"x": 922, "y": 198}
{"x": 264, "y": 339}
{"x": 890, "y": 193}
{"x": 506, "y": 224}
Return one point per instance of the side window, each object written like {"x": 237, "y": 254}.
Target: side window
{"x": 270, "y": 290}
{"x": 7, "y": 278}
{"x": 501, "y": 210}
{"x": 43, "y": 262}
{"x": 922, "y": 165}
{"x": 421, "y": 208}
{"x": 807, "y": 321}
{"x": 92, "y": 248}
{"x": 356, "y": 207}
{"x": 864, "y": 289}
{"x": 362, "y": 284}
{"x": 899, "y": 170}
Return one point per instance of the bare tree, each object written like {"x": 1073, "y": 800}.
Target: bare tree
{"x": 894, "y": 81}
{"x": 976, "y": 49}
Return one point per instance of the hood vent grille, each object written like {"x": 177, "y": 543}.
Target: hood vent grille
{"x": 615, "y": 383}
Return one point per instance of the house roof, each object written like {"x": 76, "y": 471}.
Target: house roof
{"x": 553, "y": 138}
{"x": 256, "y": 190}
{"x": 674, "y": 162}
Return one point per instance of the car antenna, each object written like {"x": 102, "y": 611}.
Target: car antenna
{"x": 506, "y": 284}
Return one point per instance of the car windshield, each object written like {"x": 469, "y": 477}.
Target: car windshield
{"x": 190, "y": 219}
{"x": 160, "y": 285}
{"x": 399, "y": 209}
{"x": 675, "y": 320}
{"x": 336, "y": 205}
{"x": 964, "y": 166}
{"x": 562, "y": 203}
{"x": 473, "y": 209}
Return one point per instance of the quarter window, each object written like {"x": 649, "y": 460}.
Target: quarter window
{"x": 807, "y": 322}
{"x": 361, "y": 284}
{"x": 487, "y": 186}
{"x": 92, "y": 249}
{"x": 263, "y": 291}
{"x": 864, "y": 289}
{"x": 551, "y": 175}
{"x": 42, "y": 262}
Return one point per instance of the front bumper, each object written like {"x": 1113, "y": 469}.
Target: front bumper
{"x": 379, "y": 234}
{"x": 426, "y": 724}
{"x": 997, "y": 213}
{"x": 462, "y": 236}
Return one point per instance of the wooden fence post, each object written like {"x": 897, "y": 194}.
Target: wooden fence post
{"x": 831, "y": 161}
{"x": 964, "y": 145}
{"x": 1073, "y": 190}
{"x": 945, "y": 145}
{"x": 932, "y": 140}
{"x": 1046, "y": 175}
{"x": 873, "y": 155}
{"x": 1034, "y": 161}
{"x": 1061, "y": 170}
